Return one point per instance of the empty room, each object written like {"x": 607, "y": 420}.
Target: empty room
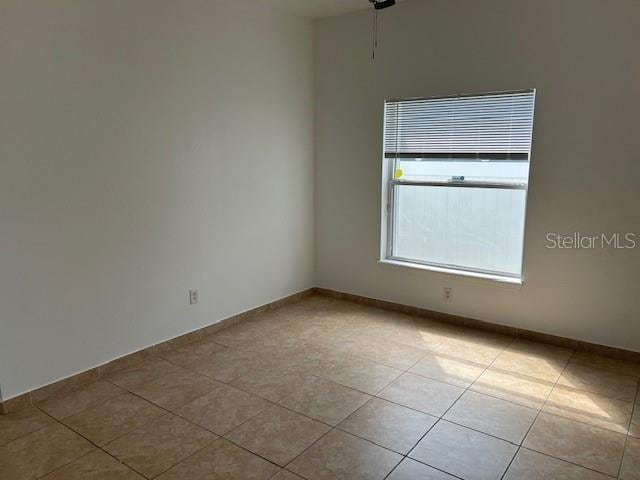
{"x": 319, "y": 239}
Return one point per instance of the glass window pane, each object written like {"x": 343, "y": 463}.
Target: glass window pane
{"x": 479, "y": 229}
{"x": 499, "y": 171}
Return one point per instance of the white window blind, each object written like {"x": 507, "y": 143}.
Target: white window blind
{"x": 491, "y": 126}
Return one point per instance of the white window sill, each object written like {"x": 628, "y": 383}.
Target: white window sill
{"x": 453, "y": 271}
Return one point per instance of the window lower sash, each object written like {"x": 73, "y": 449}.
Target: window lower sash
{"x": 391, "y": 219}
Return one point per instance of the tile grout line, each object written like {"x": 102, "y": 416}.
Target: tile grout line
{"x": 217, "y": 327}
{"x": 626, "y": 439}
{"x": 97, "y": 448}
{"x": 536, "y": 380}
{"x": 331, "y": 427}
{"x": 169, "y": 412}
{"x": 468, "y": 389}
{"x": 588, "y": 425}
{"x": 223, "y": 436}
{"x": 348, "y": 433}
{"x": 566, "y": 461}
{"x": 441, "y": 418}
{"x": 407, "y": 370}
{"x": 28, "y": 433}
{"x": 236, "y": 427}
{"x": 336, "y": 427}
{"x": 319, "y": 292}
{"x": 442, "y": 318}
{"x": 273, "y": 403}
{"x": 35, "y": 406}
{"x": 556, "y": 384}
{"x": 243, "y": 448}
{"x": 219, "y": 436}
{"x": 405, "y": 456}
{"x": 538, "y": 414}
{"x": 540, "y": 410}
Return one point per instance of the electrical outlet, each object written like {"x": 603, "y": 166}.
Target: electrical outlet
{"x": 193, "y": 297}
{"x": 447, "y": 293}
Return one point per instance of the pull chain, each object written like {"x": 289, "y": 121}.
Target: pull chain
{"x": 375, "y": 35}
{"x": 378, "y": 5}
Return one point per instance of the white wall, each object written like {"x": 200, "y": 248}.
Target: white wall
{"x": 582, "y": 56}
{"x": 146, "y": 147}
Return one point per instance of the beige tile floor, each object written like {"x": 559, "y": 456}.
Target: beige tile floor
{"x": 326, "y": 389}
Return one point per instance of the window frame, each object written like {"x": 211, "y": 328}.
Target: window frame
{"x": 389, "y": 215}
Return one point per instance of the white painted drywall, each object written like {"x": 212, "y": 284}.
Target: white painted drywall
{"x": 582, "y": 56}
{"x": 146, "y": 147}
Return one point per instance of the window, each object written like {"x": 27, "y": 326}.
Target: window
{"x": 456, "y": 173}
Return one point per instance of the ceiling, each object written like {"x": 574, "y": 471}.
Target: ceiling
{"x": 321, "y": 8}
